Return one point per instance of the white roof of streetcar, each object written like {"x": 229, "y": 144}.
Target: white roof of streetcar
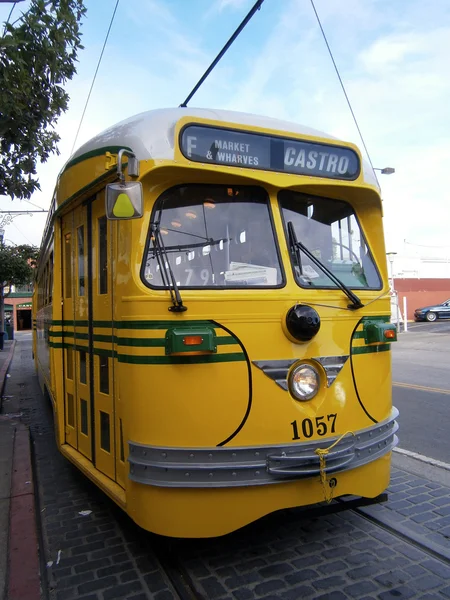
{"x": 151, "y": 134}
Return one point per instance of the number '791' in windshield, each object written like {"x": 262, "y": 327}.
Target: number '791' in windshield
{"x": 213, "y": 236}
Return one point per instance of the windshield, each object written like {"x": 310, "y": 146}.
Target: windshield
{"x": 214, "y": 236}
{"x": 330, "y": 231}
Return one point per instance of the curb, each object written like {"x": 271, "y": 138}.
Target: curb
{"x": 5, "y": 367}
{"x": 23, "y": 573}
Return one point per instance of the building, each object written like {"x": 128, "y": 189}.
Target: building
{"x": 421, "y": 274}
{"x": 18, "y": 304}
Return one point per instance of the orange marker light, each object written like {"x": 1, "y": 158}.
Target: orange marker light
{"x": 390, "y": 334}
{"x": 192, "y": 340}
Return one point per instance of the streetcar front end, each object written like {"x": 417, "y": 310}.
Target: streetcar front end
{"x": 257, "y": 321}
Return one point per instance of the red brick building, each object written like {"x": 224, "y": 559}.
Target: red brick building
{"x": 421, "y": 292}
{"x": 18, "y": 308}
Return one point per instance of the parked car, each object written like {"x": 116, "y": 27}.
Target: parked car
{"x": 431, "y": 313}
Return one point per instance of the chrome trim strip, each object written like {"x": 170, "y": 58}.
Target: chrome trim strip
{"x": 332, "y": 366}
{"x": 257, "y": 465}
{"x": 278, "y": 370}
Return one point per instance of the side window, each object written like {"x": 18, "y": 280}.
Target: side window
{"x": 68, "y": 265}
{"x": 81, "y": 260}
{"x": 50, "y": 279}
{"x": 102, "y": 256}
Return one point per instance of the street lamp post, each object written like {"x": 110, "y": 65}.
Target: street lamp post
{"x": 385, "y": 170}
{"x": 390, "y": 256}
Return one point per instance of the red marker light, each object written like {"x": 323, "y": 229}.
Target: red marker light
{"x": 390, "y": 334}
{"x": 192, "y": 340}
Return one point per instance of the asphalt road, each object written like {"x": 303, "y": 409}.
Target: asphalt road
{"x": 421, "y": 390}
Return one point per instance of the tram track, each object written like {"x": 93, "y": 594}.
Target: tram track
{"x": 186, "y": 586}
{"x": 402, "y": 532}
{"x": 183, "y": 585}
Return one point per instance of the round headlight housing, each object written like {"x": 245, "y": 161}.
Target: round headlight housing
{"x": 304, "y": 382}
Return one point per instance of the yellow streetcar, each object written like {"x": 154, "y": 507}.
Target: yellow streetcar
{"x": 212, "y": 319}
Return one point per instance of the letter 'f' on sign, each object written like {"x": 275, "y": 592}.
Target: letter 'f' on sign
{"x": 191, "y": 145}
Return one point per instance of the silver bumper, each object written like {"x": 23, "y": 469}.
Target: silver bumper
{"x": 262, "y": 465}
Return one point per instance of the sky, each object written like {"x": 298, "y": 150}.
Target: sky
{"x": 392, "y": 56}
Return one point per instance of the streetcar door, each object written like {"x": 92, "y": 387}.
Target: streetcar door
{"x": 78, "y": 405}
{"x": 103, "y": 334}
{"x": 81, "y": 332}
{"x": 67, "y": 341}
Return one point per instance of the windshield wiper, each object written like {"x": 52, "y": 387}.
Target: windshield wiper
{"x": 160, "y": 251}
{"x": 355, "y": 301}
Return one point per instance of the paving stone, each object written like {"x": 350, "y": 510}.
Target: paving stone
{"x": 441, "y": 501}
{"x": 423, "y": 518}
{"x": 97, "y": 584}
{"x": 332, "y": 567}
{"x": 340, "y": 551}
{"x": 427, "y": 582}
{"x": 240, "y": 580}
{"x": 155, "y": 581}
{"x": 164, "y": 595}
{"x": 392, "y": 578}
{"x": 212, "y": 587}
{"x": 331, "y": 596}
{"x": 438, "y": 568}
{"x": 129, "y": 576}
{"x": 366, "y": 571}
{"x": 122, "y": 591}
{"x": 301, "y": 576}
{"x": 243, "y": 594}
{"x": 329, "y": 582}
{"x": 274, "y": 570}
{"x": 362, "y": 587}
{"x": 269, "y": 586}
{"x": 398, "y": 593}
{"x": 443, "y": 510}
{"x": 439, "y": 492}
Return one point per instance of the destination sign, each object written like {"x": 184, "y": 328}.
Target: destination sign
{"x": 270, "y": 153}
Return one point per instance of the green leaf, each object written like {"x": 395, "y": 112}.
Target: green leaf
{"x": 38, "y": 55}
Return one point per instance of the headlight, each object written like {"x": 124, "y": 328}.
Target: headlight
{"x": 304, "y": 381}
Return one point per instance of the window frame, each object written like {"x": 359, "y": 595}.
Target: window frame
{"x": 286, "y": 236}
{"x": 162, "y": 288}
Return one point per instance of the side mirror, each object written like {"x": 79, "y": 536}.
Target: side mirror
{"x": 124, "y": 200}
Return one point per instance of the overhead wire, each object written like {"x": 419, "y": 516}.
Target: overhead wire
{"x": 9, "y": 16}
{"x": 343, "y": 88}
{"x": 244, "y": 22}
{"x": 95, "y": 75}
{"x": 22, "y": 233}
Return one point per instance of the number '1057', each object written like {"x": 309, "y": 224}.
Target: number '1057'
{"x": 319, "y": 425}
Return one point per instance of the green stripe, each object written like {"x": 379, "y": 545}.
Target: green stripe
{"x": 70, "y": 323}
{"x": 181, "y": 360}
{"x": 134, "y": 342}
{"x": 142, "y": 343}
{"x": 93, "y": 153}
{"x": 162, "y": 324}
{"x": 66, "y": 345}
{"x": 371, "y": 349}
{"x": 157, "y": 360}
{"x": 108, "y": 353}
{"x": 76, "y": 334}
{"x": 135, "y": 324}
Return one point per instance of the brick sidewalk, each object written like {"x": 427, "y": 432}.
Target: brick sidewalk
{"x": 19, "y": 564}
